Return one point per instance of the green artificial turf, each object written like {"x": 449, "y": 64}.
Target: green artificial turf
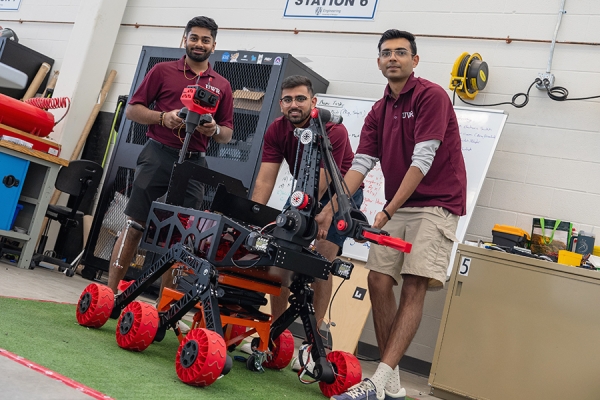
{"x": 48, "y": 334}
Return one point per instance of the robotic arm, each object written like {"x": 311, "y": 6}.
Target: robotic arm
{"x": 297, "y": 224}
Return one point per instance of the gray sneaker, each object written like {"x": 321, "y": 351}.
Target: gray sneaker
{"x": 365, "y": 390}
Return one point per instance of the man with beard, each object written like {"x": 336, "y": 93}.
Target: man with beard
{"x": 296, "y": 103}
{"x": 163, "y": 86}
{"x": 413, "y": 132}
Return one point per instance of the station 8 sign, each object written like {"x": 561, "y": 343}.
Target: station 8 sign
{"x": 342, "y": 9}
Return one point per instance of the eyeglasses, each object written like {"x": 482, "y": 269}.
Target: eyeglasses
{"x": 298, "y": 99}
{"x": 398, "y": 52}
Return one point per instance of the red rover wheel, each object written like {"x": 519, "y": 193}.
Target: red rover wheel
{"x": 201, "y": 357}
{"x": 283, "y": 351}
{"x": 137, "y": 326}
{"x": 95, "y": 305}
{"x": 347, "y": 372}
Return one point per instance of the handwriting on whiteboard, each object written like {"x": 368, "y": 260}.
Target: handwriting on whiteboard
{"x": 473, "y": 134}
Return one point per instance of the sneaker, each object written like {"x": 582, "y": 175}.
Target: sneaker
{"x": 246, "y": 348}
{"x": 401, "y": 395}
{"x": 183, "y": 327}
{"x": 304, "y": 364}
{"x": 365, "y": 390}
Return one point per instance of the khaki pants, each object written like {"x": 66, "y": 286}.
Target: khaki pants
{"x": 431, "y": 232}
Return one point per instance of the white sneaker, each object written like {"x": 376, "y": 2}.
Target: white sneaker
{"x": 246, "y": 348}
{"x": 304, "y": 364}
{"x": 183, "y": 327}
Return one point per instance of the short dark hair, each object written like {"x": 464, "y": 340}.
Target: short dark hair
{"x": 294, "y": 81}
{"x": 396, "y": 34}
{"x": 202, "y": 22}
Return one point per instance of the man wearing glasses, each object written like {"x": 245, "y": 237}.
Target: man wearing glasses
{"x": 280, "y": 144}
{"x": 413, "y": 132}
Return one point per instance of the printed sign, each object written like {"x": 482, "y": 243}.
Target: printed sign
{"x": 465, "y": 266}
{"x": 10, "y": 5}
{"x": 349, "y": 9}
{"x": 359, "y": 293}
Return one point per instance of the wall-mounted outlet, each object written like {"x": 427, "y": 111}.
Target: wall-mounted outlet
{"x": 545, "y": 76}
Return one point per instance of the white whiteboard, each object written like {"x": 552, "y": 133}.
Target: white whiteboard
{"x": 479, "y": 129}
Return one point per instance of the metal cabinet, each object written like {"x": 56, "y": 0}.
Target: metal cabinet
{"x": 36, "y": 190}
{"x": 517, "y": 328}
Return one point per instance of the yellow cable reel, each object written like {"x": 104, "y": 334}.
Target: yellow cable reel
{"x": 469, "y": 75}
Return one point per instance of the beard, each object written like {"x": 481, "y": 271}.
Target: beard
{"x": 196, "y": 57}
{"x": 296, "y": 119}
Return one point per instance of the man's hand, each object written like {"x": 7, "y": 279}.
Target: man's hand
{"x": 324, "y": 220}
{"x": 208, "y": 129}
{"x": 380, "y": 220}
{"x": 171, "y": 119}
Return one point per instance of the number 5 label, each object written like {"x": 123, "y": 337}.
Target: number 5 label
{"x": 465, "y": 266}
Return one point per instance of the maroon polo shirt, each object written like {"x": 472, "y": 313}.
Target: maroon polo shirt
{"x": 280, "y": 143}
{"x": 164, "y": 84}
{"x": 421, "y": 112}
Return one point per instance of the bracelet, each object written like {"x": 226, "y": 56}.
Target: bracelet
{"x": 387, "y": 214}
{"x": 161, "y": 119}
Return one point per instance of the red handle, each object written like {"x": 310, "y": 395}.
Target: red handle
{"x": 394, "y": 243}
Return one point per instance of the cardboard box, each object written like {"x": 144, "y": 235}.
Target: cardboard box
{"x": 248, "y": 100}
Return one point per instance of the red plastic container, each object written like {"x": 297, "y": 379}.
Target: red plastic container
{"x": 25, "y": 117}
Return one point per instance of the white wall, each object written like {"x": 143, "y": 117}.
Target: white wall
{"x": 547, "y": 161}
{"x": 50, "y": 35}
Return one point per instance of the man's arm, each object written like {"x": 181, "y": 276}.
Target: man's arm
{"x": 210, "y": 129}
{"x": 323, "y": 179}
{"x": 409, "y": 183}
{"x": 353, "y": 180}
{"x": 143, "y": 115}
{"x": 265, "y": 181}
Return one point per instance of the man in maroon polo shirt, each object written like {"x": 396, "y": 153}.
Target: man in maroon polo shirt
{"x": 280, "y": 144}
{"x": 413, "y": 132}
{"x": 163, "y": 86}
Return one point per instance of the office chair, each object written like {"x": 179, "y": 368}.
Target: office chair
{"x": 79, "y": 178}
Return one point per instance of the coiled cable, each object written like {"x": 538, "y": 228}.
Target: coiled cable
{"x": 50, "y": 103}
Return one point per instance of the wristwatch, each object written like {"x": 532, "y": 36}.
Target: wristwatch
{"x": 217, "y": 131}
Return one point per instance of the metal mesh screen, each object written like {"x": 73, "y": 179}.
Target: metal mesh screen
{"x": 114, "y": 218}
{"x": 254, "y": 77}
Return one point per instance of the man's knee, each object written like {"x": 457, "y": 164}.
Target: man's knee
{"x": 413, "y": 284}
{"x": 378, "y": 281}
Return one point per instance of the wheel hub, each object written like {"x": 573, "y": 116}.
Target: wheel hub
{"x": 126, "y": 323}
{"x": 85, "y": 302}
{"x": 189, "y": 353}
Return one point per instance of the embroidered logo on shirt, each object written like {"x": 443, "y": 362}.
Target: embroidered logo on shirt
{"x": 212, "y": 88}
{"x": 408, "y": 114}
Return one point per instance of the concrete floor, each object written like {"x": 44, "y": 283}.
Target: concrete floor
{"x": 19, "y": 382}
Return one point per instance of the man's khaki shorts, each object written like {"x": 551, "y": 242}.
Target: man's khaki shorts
{"x": 431, "y": 232}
